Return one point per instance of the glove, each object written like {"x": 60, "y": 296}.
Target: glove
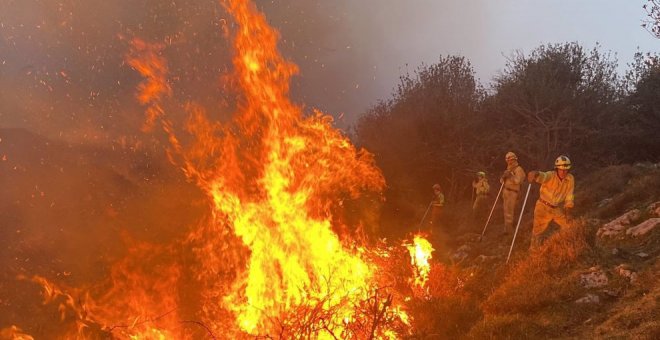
{"x": 506, "y": 174}
{"x": 531, "y": 176}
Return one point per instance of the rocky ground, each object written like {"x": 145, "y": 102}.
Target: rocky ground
{"x": 599, "y": 280}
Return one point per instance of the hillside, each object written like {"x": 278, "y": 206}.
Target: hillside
{"x": 597, "y": 280}
{"x": 69, "y": 212}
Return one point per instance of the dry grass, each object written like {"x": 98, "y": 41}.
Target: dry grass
{"x": 449, "y": 310}
{"x": 534, "y": 297}
{"x": 532, "y": 300}
{"x": 611, "y": 191}
{"x": 638, "y": 314}
{"x": 543, "y": 278}
{"x": 507, "y": 326}
{"x": 448, "y": 317}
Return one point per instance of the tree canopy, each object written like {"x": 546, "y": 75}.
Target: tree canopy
{"x": 441, "y": 126}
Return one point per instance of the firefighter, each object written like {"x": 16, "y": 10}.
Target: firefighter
{"x": 437, "y": 204}
{"x": 555, "y": 200}
{"x": 481, "y": 188}
{"x": 512, "y": 177}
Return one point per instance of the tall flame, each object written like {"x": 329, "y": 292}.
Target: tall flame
{"x": 420, "y": 254}
{"x": 269, "y": 260}
{"x": 282, "y": 212}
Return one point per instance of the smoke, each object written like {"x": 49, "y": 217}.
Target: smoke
{"x": 62, "y": 69}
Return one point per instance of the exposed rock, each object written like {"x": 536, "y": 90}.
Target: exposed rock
{"x": 642, "y": 255}
{"x": 469, "y": 237}
{"x": 626, "y": 271}
{"x": 464, "y": 248}
{"x": 593, "y": 221}
{"x": 619, "y": 225}
{"x": 459, "y": 256}
{"x": 484, "y": 258}
{"x": 594, "y": 278}
{"x": 654, "y": 209}
{"x": 615, "y": 251}
{"x": 461, "y": 253}
{"x": 611, "y": 292}
{"x": 644, "y": 227}
{"x": 589, "y": 298}
{"x": 604, "y": 202}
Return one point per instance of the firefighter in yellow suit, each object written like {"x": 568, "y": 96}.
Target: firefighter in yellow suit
{"x": 556, "y": 197}
{"x": 512, "y": 177}
{"x": 438, "y": 204}
{"x": 481, "y": 188}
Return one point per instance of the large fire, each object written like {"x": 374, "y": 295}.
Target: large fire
{"x": 269, "y": 260}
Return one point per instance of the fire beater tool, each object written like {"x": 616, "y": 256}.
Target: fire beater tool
{"x": 491, "y": 211}
{"x": 529, "y": 186}
{"x": 424, "y": 217}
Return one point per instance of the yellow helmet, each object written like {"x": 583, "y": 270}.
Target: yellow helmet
{"x": 562, "y": 162}
{"x": 436, "y": 186}
{"x": 510, "y": 155}
{"x": 481, "y": 174}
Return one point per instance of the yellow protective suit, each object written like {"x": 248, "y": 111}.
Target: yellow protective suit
{"x": 555, "y": 196}
{"x": 515, "y": 176}
{"x": 481, "y": 189}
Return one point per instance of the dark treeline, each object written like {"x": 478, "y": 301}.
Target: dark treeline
{"x": 441, "y": 125}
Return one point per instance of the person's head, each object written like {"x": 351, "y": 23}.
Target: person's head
{"x": 562, "y": 165}
{"x": 481, "y": 175}
{"x": 511, "y": 158}
{"x": 437, "y": 187}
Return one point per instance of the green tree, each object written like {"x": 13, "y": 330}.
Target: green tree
{"x": 652, "y": 23}
{"x": 424, "y": 133}
{"x": 558, "y": 99}
{"x": 641, "y": 122}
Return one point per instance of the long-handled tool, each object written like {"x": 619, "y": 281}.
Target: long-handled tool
{"x": 491, "y": 211}
{"x": 522, "y": 210}
{"x": 424, "y": 217}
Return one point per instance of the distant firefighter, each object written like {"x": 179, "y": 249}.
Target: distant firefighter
{"x": 556, "y": 197}
{"x": 481, "y": 190}
{"x": 512, "y": 177}
{"x": 437, "y": 205}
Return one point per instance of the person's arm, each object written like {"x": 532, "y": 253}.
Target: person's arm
{"x": 540, "y": 176}
{"x": 568, "y": 202}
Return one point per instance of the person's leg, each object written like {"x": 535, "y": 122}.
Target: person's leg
{"x": 559, "y": 216}
{"x": 509, "y": 198}
{"x": 436, "y": 214}
{"x": 542, "y": 217}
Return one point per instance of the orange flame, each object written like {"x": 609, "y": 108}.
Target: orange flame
{"x": 269, "y": 261}
{"x": 275, "y": 177}
{"x": 14, "y": 333}
{"x": 420, "y": 254}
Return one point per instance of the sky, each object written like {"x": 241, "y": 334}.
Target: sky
{"x": 378, "y": 40}
{"x": 63, "y": 72}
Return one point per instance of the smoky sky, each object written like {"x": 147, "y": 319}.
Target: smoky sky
{"x": 63, "y": 71}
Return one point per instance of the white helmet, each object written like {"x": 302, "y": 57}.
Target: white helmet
{"x": 562, "y": 162}
{"x": 510, "y": 155}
